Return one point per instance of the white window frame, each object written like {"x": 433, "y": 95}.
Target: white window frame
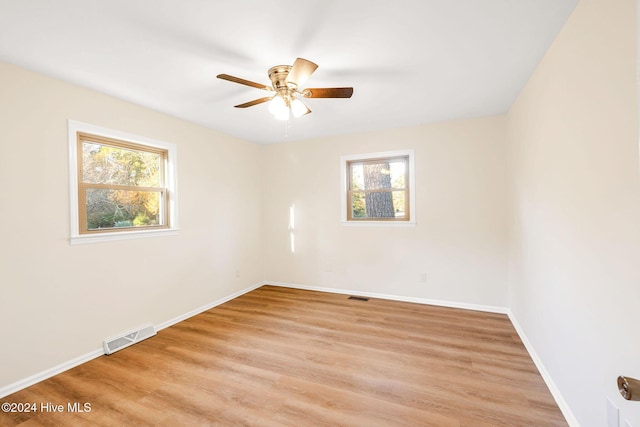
{"x": 76, "y": 237}
{"x": 344, "y": 182}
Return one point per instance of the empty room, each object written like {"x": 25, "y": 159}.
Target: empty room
{"x": 320, "y": 213}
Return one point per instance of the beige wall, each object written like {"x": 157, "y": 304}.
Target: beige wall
{"x": 575, "y": 209}
{"x": 59, "y": 301}
{"x": 460, "y": 237}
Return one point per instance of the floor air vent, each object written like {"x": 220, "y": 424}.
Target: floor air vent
{"x": 114, "y": 344}
{"x": 359, "y": 298}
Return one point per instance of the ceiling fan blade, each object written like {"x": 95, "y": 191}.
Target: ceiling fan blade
{"x": 242, "y": 81}
{"x": 300, "y": 71}
{"x": 254, "y": 102}
{"x": 328, "y": 92}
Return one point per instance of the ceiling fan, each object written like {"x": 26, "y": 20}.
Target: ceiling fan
{"x": 285, "y": 90}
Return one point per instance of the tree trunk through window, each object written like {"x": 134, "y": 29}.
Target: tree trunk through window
{"x": 378, "y": 204}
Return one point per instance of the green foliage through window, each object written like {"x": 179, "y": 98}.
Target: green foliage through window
{"x": 121, "y": 184}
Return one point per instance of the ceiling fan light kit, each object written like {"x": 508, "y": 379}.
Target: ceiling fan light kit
{"x": 286, "y": 80}
{"x": 298, "y": 109}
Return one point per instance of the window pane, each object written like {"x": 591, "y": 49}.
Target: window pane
{"x": 397, "y": 170}
{"x": 378, "y": 175}
{"x": 118, "y": 208}
{"x": 357, "y": 178}
{"x": 105, "y": 164}
{"x": 378, "y": 204}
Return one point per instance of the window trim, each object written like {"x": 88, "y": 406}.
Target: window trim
{"x": 344, "y": 188}
{"x": 75, "y": 129}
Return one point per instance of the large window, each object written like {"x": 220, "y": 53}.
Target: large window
{"x": 378, "y": 188}
{"x": 122, "y": 186}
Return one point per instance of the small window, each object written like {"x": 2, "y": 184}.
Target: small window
{"x": 378, "y": 188}
{"x": 121, "y": 186}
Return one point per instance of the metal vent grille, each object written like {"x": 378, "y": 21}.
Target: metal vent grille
{"x": 114, "y": 344}
{"x": 359, "y": 298}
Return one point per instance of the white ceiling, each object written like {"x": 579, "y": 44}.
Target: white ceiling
{"x": 409, "y": 61}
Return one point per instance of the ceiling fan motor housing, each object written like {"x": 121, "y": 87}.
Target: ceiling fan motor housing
{"x": 278, "y": 76}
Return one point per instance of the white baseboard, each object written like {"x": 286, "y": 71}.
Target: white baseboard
{"x": 546, "y": 376}
{"x": 48, "y": 373}
{"x": 441, "y": 303}
{"x": 204, "y": 308}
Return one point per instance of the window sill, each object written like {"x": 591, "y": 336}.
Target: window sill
{"x": 378, "y": 223}
{"x": 125, "y": 235}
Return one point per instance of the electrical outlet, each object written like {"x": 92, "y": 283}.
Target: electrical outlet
{"x": 237, "y": 274}
{"x": 423, "y": 277}
{"x": 613, "y": 414}
{"x": 328, "y": 268}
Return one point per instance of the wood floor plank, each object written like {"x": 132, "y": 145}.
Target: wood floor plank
{"x": 279, "y": 356}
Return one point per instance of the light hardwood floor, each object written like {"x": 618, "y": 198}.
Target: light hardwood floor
{"x": 287, "y": 357}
